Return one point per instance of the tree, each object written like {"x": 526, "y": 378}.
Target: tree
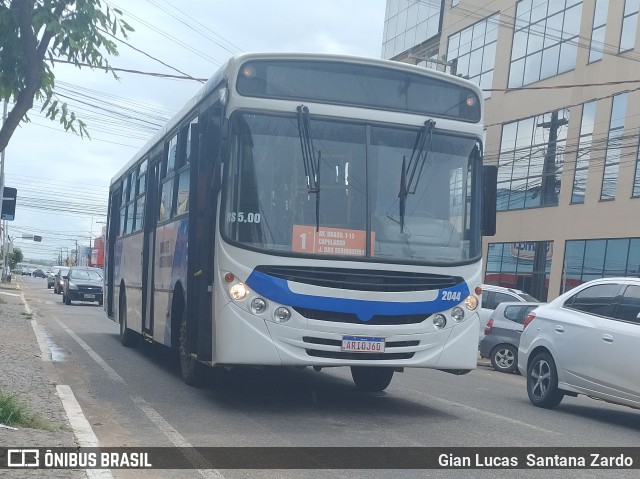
{"x": 35, "y": 34}
{"x": 15, "y": 257}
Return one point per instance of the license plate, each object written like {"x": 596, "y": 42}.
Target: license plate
{"x": 361, "y": 344}
{"x": 89, "y": 296}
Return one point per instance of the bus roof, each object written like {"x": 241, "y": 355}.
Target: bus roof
{"x": 233, "y": 64}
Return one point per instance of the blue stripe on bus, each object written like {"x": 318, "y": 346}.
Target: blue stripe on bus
{"x": 276, "y": 289}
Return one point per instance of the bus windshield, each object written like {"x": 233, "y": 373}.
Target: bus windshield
{"x": 269, "y": 206}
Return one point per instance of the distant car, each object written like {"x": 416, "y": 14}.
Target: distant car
{"x": 82, "y": 284}
{"x": 584, "y": 342}
{"x": 51, "y": 276}
{"x": 492, "y": 296}
{"x": 502, "y": 335}
{"x": 38, "y": 273}
{"x": 58, "y": 282}
{"x": 26, "y": 272}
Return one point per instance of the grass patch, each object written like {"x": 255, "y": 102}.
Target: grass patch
{"x": 15, "y": 413}
{"x": 28, "y": 316}
{"x": 2, "y": 301}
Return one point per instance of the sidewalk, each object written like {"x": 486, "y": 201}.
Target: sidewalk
{"x": 23, "y": 373}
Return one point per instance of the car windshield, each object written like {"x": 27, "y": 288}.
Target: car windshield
{"x": 85, "y": 274}
{"x": 63, "y": 271}
{"x": 269, "y": 204}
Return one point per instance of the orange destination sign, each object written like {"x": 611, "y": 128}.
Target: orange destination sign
{"x": 335, "y": 241}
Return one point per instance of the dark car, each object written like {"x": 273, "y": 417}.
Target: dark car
{"x": 502, "y": 334}
{"x": 26, "y": 272}
{"x": 38, "y": 273}
{"x": 82, "y": 284}
{"x": 58, "y": 282}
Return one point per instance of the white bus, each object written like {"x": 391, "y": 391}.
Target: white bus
{"x": 307, "y": 210}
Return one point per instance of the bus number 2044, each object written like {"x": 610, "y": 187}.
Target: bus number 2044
{"x": 451, "y": 296}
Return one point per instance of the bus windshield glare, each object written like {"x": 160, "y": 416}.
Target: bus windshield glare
{"x": 356, "y": 213}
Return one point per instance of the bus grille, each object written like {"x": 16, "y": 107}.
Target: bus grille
{"x": 361, "y": 279}
{"x": 378, "y": 320}
{"x": 358, "y": 356}
{"x": 337, "y": 342}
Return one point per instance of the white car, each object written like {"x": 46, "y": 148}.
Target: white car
{"x": 584, "y": 342}
{"x": 492, "y": 296}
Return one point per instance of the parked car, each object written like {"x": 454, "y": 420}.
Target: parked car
{"x": 82, "y": 284}
{"x": 502, "y": 335}
{"x": 26, "y": 272}
{"x": 58, "y": 282}
{"x": 38, "y": 273}
{"x": 492, "y": 296}
{"x": 584, "y": 342}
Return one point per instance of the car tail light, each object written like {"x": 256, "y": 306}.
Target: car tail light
{"x": 487, "y": 329}
{"x": 530, "y": 317}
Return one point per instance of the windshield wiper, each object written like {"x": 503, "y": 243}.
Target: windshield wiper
{"x": 414, "y": 168}
{"x": 311, "y": 164}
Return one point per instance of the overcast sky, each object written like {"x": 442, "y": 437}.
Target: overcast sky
{"x": 58, "y": 174}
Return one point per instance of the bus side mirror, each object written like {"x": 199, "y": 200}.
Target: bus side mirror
{"x": 489, "y": 199}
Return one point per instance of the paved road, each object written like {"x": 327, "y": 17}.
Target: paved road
{"x": 135, "y": 397}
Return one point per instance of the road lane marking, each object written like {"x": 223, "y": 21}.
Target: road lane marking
{"x": 482, "y": 411}
{"x": 177, "y": 439}
{"x": 101, "y": 362}
{"x": 81, "y": 428}
{"x": 194, "y": 457}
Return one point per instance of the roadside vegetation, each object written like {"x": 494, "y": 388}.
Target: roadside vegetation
{"x": 15, "y": 413}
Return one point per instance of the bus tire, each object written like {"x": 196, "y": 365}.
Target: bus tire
{"x": 370, "y": 378}
{"x": 128, "y": 338}
{"x": 190, "y": 368}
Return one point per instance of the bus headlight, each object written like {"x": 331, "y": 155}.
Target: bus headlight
{"x": 457, "y": 314}
{"x": 258, "y": 306}
{"x": 281, "y": 315}
{"x": 439, "y": 321}
{"x": 471, "y": 302}
{"x": 238, "y": 291}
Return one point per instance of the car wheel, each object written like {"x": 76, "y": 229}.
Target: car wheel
{"x": 504, "y": 358}
{"x": 371, "y": 379}
{"x": 65, "y": 299}
{"x": 542, "y": 382}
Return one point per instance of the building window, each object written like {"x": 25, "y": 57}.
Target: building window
{"x": 584, "y": 152}
{"x": 614, "y": 147}
{"x": 545, "y": 40}
{"x": 636, "y": 180}
{"x": 629, "y": 25}
{"x": 599, "y": 26}
{"x": 585, "y": 260}
{"x": 531, "y": 161}
{"x": 474, "y": 50}
{"x": 525, "y": 266}
{"x": 408, "y": 24}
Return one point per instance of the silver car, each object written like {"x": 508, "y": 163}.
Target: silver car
{"x": 502, "y": 335}
{"x": 584, "y": 342}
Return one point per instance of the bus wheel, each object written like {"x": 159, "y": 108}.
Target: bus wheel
{"x": 128, "y": 338}
{"x": 190, "y": 368}
{"x": 373, "y": 379}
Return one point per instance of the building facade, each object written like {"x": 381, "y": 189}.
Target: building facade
{"x": 561, "y": 80}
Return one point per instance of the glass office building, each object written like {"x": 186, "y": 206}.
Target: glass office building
{"x": 560, "y": 81}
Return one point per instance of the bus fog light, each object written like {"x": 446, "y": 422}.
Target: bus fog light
{"x": 238, "y": 291}
{"x": 457, "y": 314}
{"x": 281, "y": 315}
{"x": 439, "y": 321}
{"x": 471, "y": 302}
{"x": 258, "y": 306}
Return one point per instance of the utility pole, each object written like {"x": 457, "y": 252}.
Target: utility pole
{"x": 76, "y": 253}
{"x": 548, "y": 197}
{"x": 5, "y": 249}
